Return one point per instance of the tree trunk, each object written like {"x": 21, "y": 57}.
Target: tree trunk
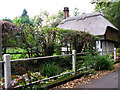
{"x": 28, "y": 53}
{"x": 4, "y": 50}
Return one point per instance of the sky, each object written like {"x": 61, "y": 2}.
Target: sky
{"x": 14, "y": 8}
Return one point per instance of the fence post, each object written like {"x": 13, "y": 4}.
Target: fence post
{"x": 114, "y": 54}
{"x": 74, "y": 61}
{"x": 7, "y": 71}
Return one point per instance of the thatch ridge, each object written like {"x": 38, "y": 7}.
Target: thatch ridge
{"x": 94, "y": 23}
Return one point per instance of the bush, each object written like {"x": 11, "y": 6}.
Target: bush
{"x": 98, "y": 62}
{"x": 50, "y": 69}
{"x": 103, "y": 63}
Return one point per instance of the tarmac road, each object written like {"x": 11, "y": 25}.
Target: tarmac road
{"x": 107, "y": 81}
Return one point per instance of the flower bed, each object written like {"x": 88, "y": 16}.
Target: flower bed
{"x": 27, "y": 78}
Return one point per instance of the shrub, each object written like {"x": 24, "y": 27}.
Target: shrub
{"x": 103, "y": 63}
{"x": 98, "y": 62}
{"x": 50, "y": 69}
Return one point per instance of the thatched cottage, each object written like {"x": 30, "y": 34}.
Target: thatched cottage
{"x": 94, "y": 23}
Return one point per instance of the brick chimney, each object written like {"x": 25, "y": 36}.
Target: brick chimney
{"x": 66, "y": 12}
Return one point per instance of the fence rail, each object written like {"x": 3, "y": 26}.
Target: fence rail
{"x": 40, "y": 58}
{"x": 33, "y": 52}
{"x": 7, "y": 66}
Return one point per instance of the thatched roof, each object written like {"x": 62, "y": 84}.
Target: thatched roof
{"x": 94, "y": 23}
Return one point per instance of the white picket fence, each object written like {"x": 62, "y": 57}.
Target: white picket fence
{"x": 7, "y": 66}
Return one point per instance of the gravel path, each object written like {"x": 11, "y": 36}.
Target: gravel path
{"x": 107, "y": 81}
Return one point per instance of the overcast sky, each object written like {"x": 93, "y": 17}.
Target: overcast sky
{"x": 14, "y": 8}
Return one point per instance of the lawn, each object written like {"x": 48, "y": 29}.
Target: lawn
{"x": 16, "y": 50}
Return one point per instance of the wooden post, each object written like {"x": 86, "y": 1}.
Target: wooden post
{"x": 74, "y": 61}
{"x": 7, "y": 70}
{"x": 114, "y": 54}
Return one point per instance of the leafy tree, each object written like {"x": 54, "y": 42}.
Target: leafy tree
{"x": 43, "y": 41}
{"x": 79, "y": 40}
{"x": 45, "y": 19}
{"x": 24, "y": 14}
{"x": 111, "y": 11}
{"x": 37, "y": 20}
{"x": 36, "y": 39}
{"x": 7, "y": 19}
{"x": 56, "y": 19}
{"x": 44, "y": 14}
{"x": 76, "y": 12}
{"x": 25, "y": 18}
{"x": 8, "y": 34}
{"x": 41, "y": 19}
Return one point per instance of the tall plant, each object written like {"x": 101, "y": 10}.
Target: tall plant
{"x": 36, "y": 39}
{"x": 8, "y": 33}
{"x": 43, "y": 41}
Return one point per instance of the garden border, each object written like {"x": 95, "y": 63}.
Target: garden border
{"x": 7, "y": 66}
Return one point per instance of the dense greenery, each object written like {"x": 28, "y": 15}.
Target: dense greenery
{"x": 40, "y": 37}
{"x": 51, "y": 69}
{"x": 44, "y": 40}
{"x": 24, "y": 18}
{"x": 33, "y": 37}
{"x": 7, "y": 19}
{"x": 8, "y": 35}
{"x": 37, "y": 40}
{"x": 44, "y": 18}
{"x": 17, "y": 50}
{"x": 98, "y": 62}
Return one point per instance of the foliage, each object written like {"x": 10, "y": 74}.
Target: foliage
{"x": 44, "y": 18}
{"x": 8, "y": 33}
{"x": 76, "y": 11}
{"x": 24, "y": 13}
{"x": 24, "y": 79}
{"x": 42, "y": 40}
{"x": 38, "y": 40}
{"x": 110, "y": 10}
{"x": 81, "y": 40}
{"x": 79, "y": 64}
{"x": 65, "y": 61}
{"x": 66, "y": 75}
{"x": 50, "y": 69}
{"x": 103, "y": 63}
{"x": 16, "y": 50}
{"x": 7, "y": 19}
{"x": 37, "y": 20}
{"x": 25, "y": 18}
{"x": 56, "y": 19}
{"x": 98, "y": 62}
